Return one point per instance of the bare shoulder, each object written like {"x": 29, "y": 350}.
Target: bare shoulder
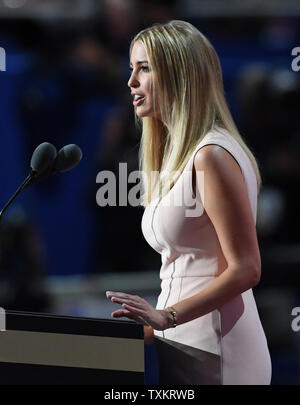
{"x": 215, "y": 157}
{"x": 224, "y": 181}
{"x": 222, "y": 173}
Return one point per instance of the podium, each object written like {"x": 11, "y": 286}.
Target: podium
{"x": 51, "y": 349}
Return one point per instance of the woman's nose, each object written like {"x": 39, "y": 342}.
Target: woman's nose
{"x": 133, "y": 82}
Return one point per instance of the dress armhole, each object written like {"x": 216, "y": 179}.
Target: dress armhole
{"x": 193, "y": 175}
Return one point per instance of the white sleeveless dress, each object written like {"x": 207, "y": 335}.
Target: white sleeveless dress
{"x": 178, "y": 228}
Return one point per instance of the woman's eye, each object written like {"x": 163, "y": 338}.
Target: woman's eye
{"x": 143, "y": 68}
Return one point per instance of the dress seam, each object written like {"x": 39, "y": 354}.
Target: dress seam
{"x": 170, "y": 288}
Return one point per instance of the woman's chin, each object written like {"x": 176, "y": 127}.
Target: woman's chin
{"x": 143, "y": 114}
{"x": 140, "y": 113}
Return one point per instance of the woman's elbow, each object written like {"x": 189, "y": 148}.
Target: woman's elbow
{"x": 253, "y": 275}
{"x": 247, "y": 276}
{"x": 256, "y": 275}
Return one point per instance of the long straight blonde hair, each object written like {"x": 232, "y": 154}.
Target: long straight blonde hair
{"x": 187, "y": 81}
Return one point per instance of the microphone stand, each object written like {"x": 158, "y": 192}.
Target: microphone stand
{"x": 31, "y": 175}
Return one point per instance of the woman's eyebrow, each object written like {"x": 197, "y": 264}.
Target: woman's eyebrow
{"x": 139, "y": 62}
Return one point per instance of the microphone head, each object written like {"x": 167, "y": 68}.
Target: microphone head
{"x": 43, "y": 157}
{"x": 68, "y": 157}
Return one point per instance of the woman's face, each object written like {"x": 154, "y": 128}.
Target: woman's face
{"x": 141, "y": 81}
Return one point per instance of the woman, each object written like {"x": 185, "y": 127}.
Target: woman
{"x": 208, "y": 242}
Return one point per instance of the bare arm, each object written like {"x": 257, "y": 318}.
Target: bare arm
{"x": 227, "y": 204}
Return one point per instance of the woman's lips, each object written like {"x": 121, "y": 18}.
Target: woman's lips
{"x": 138, "y": 102}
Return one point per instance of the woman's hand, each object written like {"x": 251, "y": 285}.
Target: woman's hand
{"x": 136, "y": 308}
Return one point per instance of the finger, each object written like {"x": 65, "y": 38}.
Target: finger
{"x": 135, "y": 298}
{"x": 123, "y": 313}
{"x": 120, "y": 312}
{"x": 133, "y": 309}
{"x": 111, "y": 294}
{"x": 128, "y": 301}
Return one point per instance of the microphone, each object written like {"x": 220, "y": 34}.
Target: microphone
{"x": 42, "y": 158}
{"x": 66, "y": 159}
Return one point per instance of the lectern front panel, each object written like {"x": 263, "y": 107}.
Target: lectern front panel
{"x": 50, "y": 349}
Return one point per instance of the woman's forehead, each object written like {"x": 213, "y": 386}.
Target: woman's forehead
{"x": 138, "y": 53}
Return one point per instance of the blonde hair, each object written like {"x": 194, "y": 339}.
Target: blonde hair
{"x": 187, "y": 81}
